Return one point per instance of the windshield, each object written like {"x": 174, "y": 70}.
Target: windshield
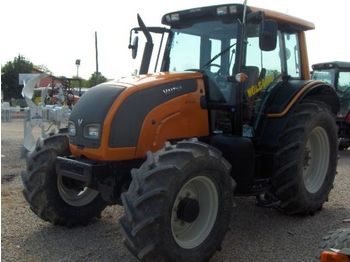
{"x": 192, "y": 48}
{"x": 342, "y": 86}
{"x": 324, "y": 75}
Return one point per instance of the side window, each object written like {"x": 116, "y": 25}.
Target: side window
{"x": 292, "y": 55}
{"x": 270, "y": 60}
{"x": 344, "y": 81}
{"x": 215, "y": 49}
{"x": 324, "y": 75}
{"x": 266, "y": 64}
{"x": 343, "y": 90}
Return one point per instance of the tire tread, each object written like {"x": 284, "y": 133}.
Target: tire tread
{"x": 287, "y": 166}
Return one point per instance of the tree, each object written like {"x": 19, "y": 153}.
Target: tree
{"x": 9, "y": 76}
{"x": 96, "y": 78}
{"x": 79, "y": 82}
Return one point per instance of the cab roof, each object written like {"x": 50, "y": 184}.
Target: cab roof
{"x": 285, "y": 19}
{"x": 334, "y": 64}
{"x": 226, "y": 11}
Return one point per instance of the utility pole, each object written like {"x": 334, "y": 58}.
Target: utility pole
{"x": 77, "y": 63}
{"x": 96, "y": 49}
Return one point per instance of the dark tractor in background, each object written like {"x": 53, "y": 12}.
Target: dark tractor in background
{"x": 338, "y": 74}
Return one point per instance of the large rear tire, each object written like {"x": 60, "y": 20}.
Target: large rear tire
{"x": 305, "y": 163}
{"x": 53, "y": 198}
{"x": 178, "y": 206}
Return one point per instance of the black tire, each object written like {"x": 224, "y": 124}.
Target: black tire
{"x": 305, "y": 163}
{"x": 41, "y": 186}
{"x": 337, "y": 239}
{"x": 149, "y": 224}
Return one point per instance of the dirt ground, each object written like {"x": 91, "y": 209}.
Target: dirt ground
{"x": 256, "y": 234}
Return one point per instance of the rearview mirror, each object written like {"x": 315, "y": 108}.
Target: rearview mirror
{"x": 268, "y": 35}
{"x": 134, "y": 47}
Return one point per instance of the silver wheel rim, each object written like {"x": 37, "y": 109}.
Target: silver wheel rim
{"x": 316, "y": 159}
{"x": 191, "y": 235}
{"x": 75, "y": 196}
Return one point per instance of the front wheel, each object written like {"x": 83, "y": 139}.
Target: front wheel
{"x": 178, "y": 205}
{"x": 305, "y": 164}
{"x": 58, "y": 200}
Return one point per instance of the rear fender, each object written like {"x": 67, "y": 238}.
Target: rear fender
{"x": 281, "y": 104}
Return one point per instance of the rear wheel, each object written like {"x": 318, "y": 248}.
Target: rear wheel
{"x": 56, "y": 199}
{"x": 305, "y": 164}
{"x": 178, "y": 205}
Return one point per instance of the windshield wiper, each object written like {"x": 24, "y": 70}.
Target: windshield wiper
{"x": 218, "y": 55}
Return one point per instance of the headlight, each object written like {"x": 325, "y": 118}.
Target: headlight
{"x": 92, "y": 131}
{"x": 72, "y": 131}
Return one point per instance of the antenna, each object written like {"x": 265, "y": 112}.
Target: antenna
{"x": 244, "y": 10}
{"x": 96, "y": 53}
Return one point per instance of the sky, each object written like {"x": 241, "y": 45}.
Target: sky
{"x": 55, "y": 33}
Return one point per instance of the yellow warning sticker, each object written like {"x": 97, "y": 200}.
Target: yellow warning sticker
{"x": 264, "y": 83}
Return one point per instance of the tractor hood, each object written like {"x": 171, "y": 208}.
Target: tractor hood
{"x": 118, "y": 108}
{"x": 152, "y": 80}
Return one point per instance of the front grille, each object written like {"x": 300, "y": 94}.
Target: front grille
{"x": 72, "y": 167}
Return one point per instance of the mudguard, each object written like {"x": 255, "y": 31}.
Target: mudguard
{"x": 281, "y": 102}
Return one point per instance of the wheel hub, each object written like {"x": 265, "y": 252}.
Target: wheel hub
{"x": 307, "y": 158}
{"x": 194, "y": 212}
{"x": 316, "y": 159}
{"x": 188, "y": 210}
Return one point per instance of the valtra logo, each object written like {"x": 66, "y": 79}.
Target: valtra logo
{"x": 172, "y": 90}
{"x": 80, "y": 121}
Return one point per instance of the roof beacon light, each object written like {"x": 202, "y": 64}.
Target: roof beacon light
{"x": 221, "y": 10}
{"x": 167, "y": 18}
{"x": 172, "y": 17}
{"x": 175, "y": 17}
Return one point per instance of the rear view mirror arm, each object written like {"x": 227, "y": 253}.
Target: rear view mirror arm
{"x": 147, "y": 54}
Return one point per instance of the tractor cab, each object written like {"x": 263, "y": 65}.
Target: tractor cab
{"x": 240, "y": 53}
{"x": 338, "y": 74}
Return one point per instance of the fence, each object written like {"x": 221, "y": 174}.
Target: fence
{"x": 8, "y": 113}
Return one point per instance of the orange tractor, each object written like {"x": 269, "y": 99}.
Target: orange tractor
{"x": 230, "y": 110}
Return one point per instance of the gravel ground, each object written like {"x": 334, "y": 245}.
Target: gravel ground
{"x": 257, "y": 234}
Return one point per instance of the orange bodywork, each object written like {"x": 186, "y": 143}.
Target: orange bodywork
{"x": 180, "y": 117}
{"x": 329, "y": 256}
{"x": 284, "y": 18}
{"x": 304, "y": 61}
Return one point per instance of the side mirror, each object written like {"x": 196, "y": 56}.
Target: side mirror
{"x": 134, "y": 47}
{"x": 268, "y": 35}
